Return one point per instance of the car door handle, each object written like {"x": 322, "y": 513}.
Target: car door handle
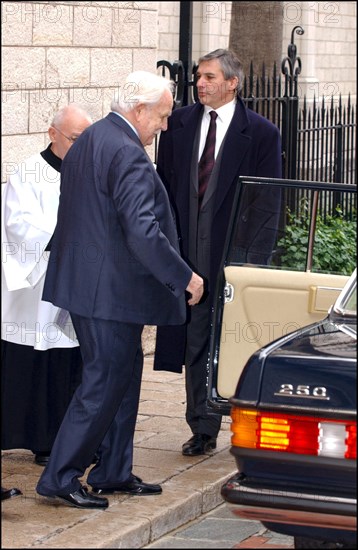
{"x": 228, "y": 293}
{"x": 321, "y": 298}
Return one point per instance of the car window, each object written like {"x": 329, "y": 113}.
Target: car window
{"x": 292, "y": 228}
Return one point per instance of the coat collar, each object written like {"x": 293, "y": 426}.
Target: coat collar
{"x": 119, "y": 121}
{"x": 237, "y": 142}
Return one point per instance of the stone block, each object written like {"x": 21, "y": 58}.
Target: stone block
{"x": 68, "y": 67}
{"x": 15, "y": 23}
{"x": 126, "y": 28}
{"x": 145, "y": 59}
{"x": 23, "y": 68}
{"x": 15, "y": 112}
{"x": 149, "y": 30}
{"x": 53, "y": 25}
{"x": 92, "y": 26}
{"x": 110, "y": 66}
{"x": 18, "y": 148}
{"x": 42, "y": 108}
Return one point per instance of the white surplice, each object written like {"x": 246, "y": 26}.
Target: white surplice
{"x": 29, "y": 213}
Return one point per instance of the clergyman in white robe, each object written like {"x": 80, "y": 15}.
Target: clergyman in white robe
{"x": 41, "y": 365}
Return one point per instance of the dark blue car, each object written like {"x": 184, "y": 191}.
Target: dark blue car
{"x": 283, "y": 362}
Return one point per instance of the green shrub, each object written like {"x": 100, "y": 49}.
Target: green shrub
{"x": 334, "y": 249}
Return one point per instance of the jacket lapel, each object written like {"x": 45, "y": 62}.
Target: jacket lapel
{"x": 184, "y": 137}
{"x": 235, "y": 147}
{"x": 234, "y": 151}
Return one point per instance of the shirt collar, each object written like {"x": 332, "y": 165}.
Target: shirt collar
{"x": 224, "y": 112}
{"x": 127, "y": 121}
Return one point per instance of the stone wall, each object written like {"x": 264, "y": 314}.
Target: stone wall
{"x": 57, "y": 52}
{"x": 327, "y": 48}
{"x": 211, "y": 28}
{"x": 54, "y": 53}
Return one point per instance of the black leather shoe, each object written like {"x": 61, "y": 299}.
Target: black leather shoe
{"x": 42, "y": 458}
{"x": 9, "y": 493}
{"x": 83, "y": 499}
{"x": 135, "y": 486}
{"x": 199, "y": 444}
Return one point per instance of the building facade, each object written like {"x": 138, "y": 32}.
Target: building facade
{"x": 54, "y": 53}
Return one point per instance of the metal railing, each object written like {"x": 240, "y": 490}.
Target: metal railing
{"x": 318, "y": 142}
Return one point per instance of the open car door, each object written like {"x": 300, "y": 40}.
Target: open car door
{"x": 279, "y": 275}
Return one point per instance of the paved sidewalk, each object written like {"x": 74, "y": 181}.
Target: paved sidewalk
{"x": 221, "y": 529}
{"x": 191, "y": 485}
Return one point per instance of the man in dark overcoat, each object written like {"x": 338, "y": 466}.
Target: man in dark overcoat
{"x": 246, "y": 144}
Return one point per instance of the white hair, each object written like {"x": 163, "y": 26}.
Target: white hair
{"x": 68, "y": 111}
{"x": 140, "y": 87}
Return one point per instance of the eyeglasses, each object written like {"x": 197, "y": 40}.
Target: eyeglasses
{"x": 71, "y": 139}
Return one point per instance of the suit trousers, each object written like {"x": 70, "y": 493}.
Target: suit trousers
{"x": 199, "y": 418}
{"x": 103, "y": 411}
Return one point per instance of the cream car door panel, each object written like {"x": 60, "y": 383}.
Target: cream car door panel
{"x": 264, "y": 304}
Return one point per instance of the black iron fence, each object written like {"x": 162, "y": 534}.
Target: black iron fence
{"x": 318, "y": 141}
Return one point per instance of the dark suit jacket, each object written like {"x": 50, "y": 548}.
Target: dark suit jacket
{"x": 114, "y": 252}
{"x": 252, "y": 148}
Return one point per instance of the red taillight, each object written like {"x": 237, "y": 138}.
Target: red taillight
{"x": 351, "y": 441}
{"x": 293, "y": 433}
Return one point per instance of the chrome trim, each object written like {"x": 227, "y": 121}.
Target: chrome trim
{"x": 348, "y": 330}
{"x": 272, "y": 493}
{"x": 339, "y": 289}
{"x": 312, "y": 230}
{"x": 339, "y": 305}
{"x": 294, "y": 517}
{"x": 302, "y": 396}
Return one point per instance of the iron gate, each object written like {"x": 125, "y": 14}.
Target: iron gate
{"x": 318, "y": 141}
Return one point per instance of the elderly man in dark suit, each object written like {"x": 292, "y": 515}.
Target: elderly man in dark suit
{"x": 206, "y": 148}
{"x": 115, "y": 266}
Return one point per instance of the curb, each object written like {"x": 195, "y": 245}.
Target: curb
{"x": 128, "y": 522}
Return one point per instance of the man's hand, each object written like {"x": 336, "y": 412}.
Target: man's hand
{"x": 196, "y": 289}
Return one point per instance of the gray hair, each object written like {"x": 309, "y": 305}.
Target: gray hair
{"x": 68, "y": 111}
{"x": 230, "y": 65}
{"x": 140, "y": 87}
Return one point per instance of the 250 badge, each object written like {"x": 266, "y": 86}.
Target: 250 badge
{"x": 307, "y": 392}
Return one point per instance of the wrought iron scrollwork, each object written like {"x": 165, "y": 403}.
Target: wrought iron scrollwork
{"x": 184, "y": 83}
{"x": 291, "y": 65}
{"x": 177, "y": 74}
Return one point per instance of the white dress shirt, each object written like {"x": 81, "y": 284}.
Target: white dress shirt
{"x": 225, "y": 114}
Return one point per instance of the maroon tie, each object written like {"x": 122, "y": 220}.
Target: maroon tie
{"x": 207, "y": 160}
